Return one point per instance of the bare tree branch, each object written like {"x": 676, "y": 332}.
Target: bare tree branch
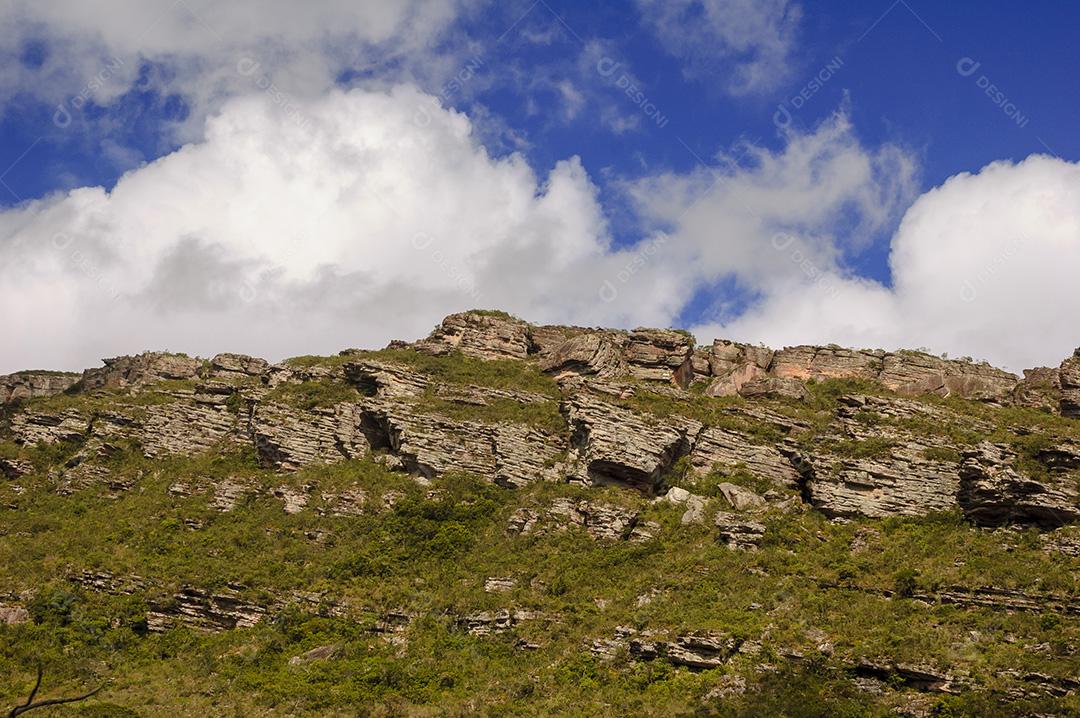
{"x": 31, "y": 705}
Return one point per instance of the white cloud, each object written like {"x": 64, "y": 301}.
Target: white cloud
{"x": 95, "y": 50}
{"x": 747, "y": 43}
{"x": 362, "y": 217}
{"x": 367, "y": 215}
{"x": 983, "y": 266}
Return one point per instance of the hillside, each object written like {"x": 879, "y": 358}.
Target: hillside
{"x": 510, "y": 519}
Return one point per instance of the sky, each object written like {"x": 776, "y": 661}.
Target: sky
{"x": 278, "y": 178}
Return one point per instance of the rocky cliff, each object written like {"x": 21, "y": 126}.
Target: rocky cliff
{"x": 769, "y": 503}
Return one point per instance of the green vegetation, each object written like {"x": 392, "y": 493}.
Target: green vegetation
{"x": 457, "y": 368}
{"x": 832, "y": 592}
{"x": 314, "y": 394}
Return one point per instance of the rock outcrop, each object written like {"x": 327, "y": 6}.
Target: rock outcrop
{"x": 34, "y": 384}
{"x": 485, "y": 335}
{"x": 612, "y": 445}
{"x": 1069, "y": 382}
{"x": 140, "y": 370}
{"x": 995, "y": 492}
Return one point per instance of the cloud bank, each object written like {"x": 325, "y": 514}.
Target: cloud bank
{"x": 368, "y": 215}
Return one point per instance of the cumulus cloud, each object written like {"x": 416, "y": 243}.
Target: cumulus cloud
{"x": 69, "y": 52}
{"x": 747, "y": 42}
{"x": 365, "y": 216}
{"x": 983, "y": 266}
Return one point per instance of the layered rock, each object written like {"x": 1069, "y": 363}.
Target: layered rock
{"x": 49, "y": 427}
{"x": 384, "y": 380}
{"x": 480, "y": 334}
{"x": 1069, "y": 382}
{"x": 697, "y": 651}
{"x": 204, "y": 610}
{"x": 726, "y": 449}
{"x": 902, "y": 482}
{"x": 174, "y": 428}
{"x": 289, "y": 439}
{"x": 140, "y": 370}
{"x": 593, "y": 354}
{"x": 829, "y": 362}
{"x": 34, "y": 384}
{"x": 995, "y": 492}
{"x": 612, "y": 445}
{"x": 11, "y": 468}
{"x": 603, "y": 522}
{"x": 237, "y": 366}
{"x": 917, "y": 373}
{"x": 660, "y": 355}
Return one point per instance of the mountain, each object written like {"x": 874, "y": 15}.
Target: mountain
{"x": 512, "y": 519}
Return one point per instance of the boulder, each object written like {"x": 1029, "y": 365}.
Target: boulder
{"x": 695, "y": 505}
{"x": 740, "y": 498}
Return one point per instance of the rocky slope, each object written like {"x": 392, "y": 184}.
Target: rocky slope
{"x": 436, "y": 497}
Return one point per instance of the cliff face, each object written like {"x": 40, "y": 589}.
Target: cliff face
{"x": 815, "y": 472}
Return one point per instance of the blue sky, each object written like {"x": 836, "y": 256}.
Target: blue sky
{"x": 657, "y": 100}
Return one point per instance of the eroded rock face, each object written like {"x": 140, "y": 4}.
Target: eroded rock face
{"x": 721, "y": 448}
{"x": 290, "y": 439}
{"x": 32, "y": 384}
{"x": 593, "y": 354}
{"x": 830, "y": 362}
{"x": 15, "y": 468}
{"x": 139, "y": 370}
{"x": 697, "y": 651}
{"x": 204, "y": 611}
{"x": 481, "y": 335}
{"x": 995, "y": 492}
{"x": 176, "y": 428}
{"x": 660, "y": 355}
{"x": 1069, "y": 381}
{"x": 237, "y": 365}
{"x": 903, "y": 482}
{"x": 48, "y": 427}
{"x": 916, "y": 373}
{"x": 612, "y": 445}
